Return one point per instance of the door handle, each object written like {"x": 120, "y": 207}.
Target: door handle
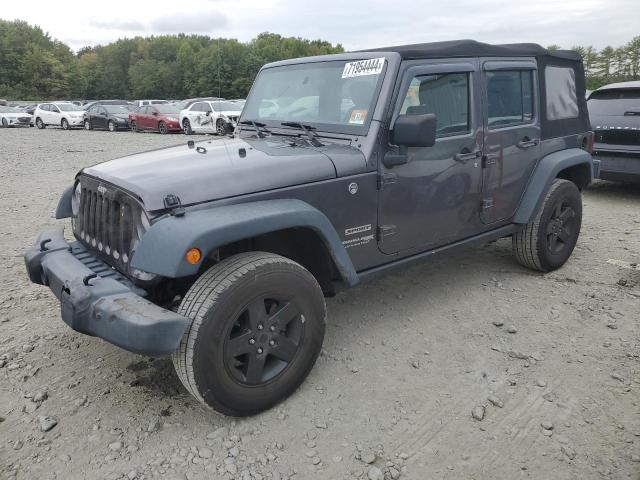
{"x": 465, "y": 155}
{"x": 526, "y": 142}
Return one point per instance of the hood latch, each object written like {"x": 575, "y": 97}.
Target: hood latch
{"x": 172, "y": 202}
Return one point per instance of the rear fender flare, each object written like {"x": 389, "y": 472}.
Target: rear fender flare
{"x": 162, "y": 248}
{"x": 545, "y": 173}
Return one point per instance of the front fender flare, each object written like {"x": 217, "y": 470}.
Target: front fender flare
{"x": 162, "y": 248}
{"x": 545, "y": 173}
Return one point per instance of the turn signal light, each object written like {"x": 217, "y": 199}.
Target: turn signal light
{"x": 193, "y": 256}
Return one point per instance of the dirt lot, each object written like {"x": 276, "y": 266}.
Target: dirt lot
{"x": 551, "y": 361}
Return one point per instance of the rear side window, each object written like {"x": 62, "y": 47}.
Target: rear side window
{"x": 562, "y": 101}
{"x": 445, "y": 95}
{"x": 509, "y": 98}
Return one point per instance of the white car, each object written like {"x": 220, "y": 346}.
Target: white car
{"x": 13, "y": 117}
{"x": 216, "y": 116}
{"x": 63, "y": 114}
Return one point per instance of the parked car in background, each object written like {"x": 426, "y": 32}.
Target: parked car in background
{"x": 13, "y": 117}
{"x": 142, "y": 103}
{"x": 614, "y": 111}
{"x": 186, "y": 103}
{"x": 159, "y": 118}
{"x": 217, "y": 116}
{"x": 29, "y": 110}
{"x": 62, "y": 114}
{"x": 106, "y": 102}
{"x": 109, "y": 117}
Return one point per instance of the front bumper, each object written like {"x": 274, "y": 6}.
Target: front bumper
{"x": 76, "y": 122}
{"x": 93, "y": 302}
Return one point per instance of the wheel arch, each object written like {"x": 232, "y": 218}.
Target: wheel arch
{"x": 291, "y": 228}
{"x": 572, "y": 164}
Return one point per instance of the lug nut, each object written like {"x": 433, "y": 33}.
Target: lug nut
{"x": 260, "y": 326}
{"x": 259, "y": 349}
{"x": 272, "y": 328}
{"x": 252, "y": 341}
{"x": 272, "y": 342}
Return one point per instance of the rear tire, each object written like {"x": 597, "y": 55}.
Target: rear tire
{"x": 5, "y": 124}
{"x": 134, "y": 126}
{"x": 40, "y": 124}
{"x": 186, "y": 126}
{"x": 547, "y": 243}
{"x": 258, "y": 325}
{"x": 64, "y": 124}
{"x": 162, "y": 128}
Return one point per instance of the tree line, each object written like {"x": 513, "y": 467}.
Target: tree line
{"x": 33, "y": 66}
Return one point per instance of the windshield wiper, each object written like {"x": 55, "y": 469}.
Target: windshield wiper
{"x": 308, "y": 130}
{"x": 259, "y": 126}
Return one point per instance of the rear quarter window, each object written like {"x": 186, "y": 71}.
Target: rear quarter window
{"x": 562, "y": 101}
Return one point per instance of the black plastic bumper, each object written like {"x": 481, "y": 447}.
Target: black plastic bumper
{"x": 101, "y": 306}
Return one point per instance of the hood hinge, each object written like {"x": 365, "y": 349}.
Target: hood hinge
{"x": 172, "y": 203}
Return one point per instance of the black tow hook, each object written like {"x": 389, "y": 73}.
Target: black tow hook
{"x": 43, "y": 245}
{"x": 89, "y": 277}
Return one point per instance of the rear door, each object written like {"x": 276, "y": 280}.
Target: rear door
{"x": 511, "y": 135}
{"x": 143, "y": 118}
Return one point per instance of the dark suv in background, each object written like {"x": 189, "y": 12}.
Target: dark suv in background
{"x": 614, "y": 111}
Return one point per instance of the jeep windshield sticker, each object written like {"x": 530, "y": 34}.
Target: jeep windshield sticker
{"x": 357, "y": 117}
{"x": 360, "y": 68}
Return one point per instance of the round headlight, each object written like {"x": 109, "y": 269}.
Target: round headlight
{"x": 75, "y": 199}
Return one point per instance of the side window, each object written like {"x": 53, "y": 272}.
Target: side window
{"x": 509, "y": 98}
{"x": 198, "y": 107}
{"x": 445, "y": 95}
{"x": 44, "y": 107}
{"x": 54, "y": 109}
{"x": 207, "y": 107}
{"x": 560, "y": 86}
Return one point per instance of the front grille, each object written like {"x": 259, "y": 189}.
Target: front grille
{"x": 618, "y": 136}
{"x": 108, "y": 222}
{"x": 24, "y": 119}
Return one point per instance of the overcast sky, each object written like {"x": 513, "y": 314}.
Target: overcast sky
{"x": 357, "y": 24}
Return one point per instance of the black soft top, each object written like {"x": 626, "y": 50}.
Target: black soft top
{"x": 472, "y": 48}
{"x": 545, "y": 58}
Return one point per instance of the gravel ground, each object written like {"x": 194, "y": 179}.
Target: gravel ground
{"x": 468, "y": 367}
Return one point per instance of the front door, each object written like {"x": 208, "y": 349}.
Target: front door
{"x": 434, "y": 198}
{"x": 512, "y": 135}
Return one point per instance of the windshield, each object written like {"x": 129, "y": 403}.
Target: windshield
{"x": 171, "y": 109}
{"x": 117, "y": 109}
{"x": 68, "y": 107}
{"x": 4, "y": 109}
{"x": 336, "y": 96}
{"x": 614, "y": 101}
{"x": 226, "y": 106}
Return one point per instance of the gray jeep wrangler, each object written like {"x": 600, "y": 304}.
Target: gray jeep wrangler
{"x": 220, "y": 253}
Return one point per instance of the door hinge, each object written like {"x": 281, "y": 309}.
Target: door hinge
{"x": 486, "y": 203}
{"x": 489, "y": 159}
{"x": 386, "y": 179}
{"x": 385, "y": 231}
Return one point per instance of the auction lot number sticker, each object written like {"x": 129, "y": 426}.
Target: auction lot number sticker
{"x": 361, "y": 68}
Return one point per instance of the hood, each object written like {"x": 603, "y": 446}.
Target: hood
{"x": 14, "y": 115}
{"x": 226, "y": 168}
{"x": 231, "y": 113}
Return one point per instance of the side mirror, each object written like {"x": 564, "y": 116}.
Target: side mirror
{"x": 208, "y": 113}
{"x": 411, "y": 131}
{"x": 155, "y": 113}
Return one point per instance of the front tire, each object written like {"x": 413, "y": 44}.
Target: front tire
{"x": 40, "y": 124}
{"x": 258, "y": 326}
{"x": 162, "y": 128}
{"x": 186, "y": 126}
{"x": 87, "y": 125}
{"x": 547, "y": 243}
{"x": 134, "y": 126}
{"x": 64, "y": 124}
{"x": 112, "y": 126}
{"x": 221, "y": 127}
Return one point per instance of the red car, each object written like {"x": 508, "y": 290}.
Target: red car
{"x": 160, "y": 118}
